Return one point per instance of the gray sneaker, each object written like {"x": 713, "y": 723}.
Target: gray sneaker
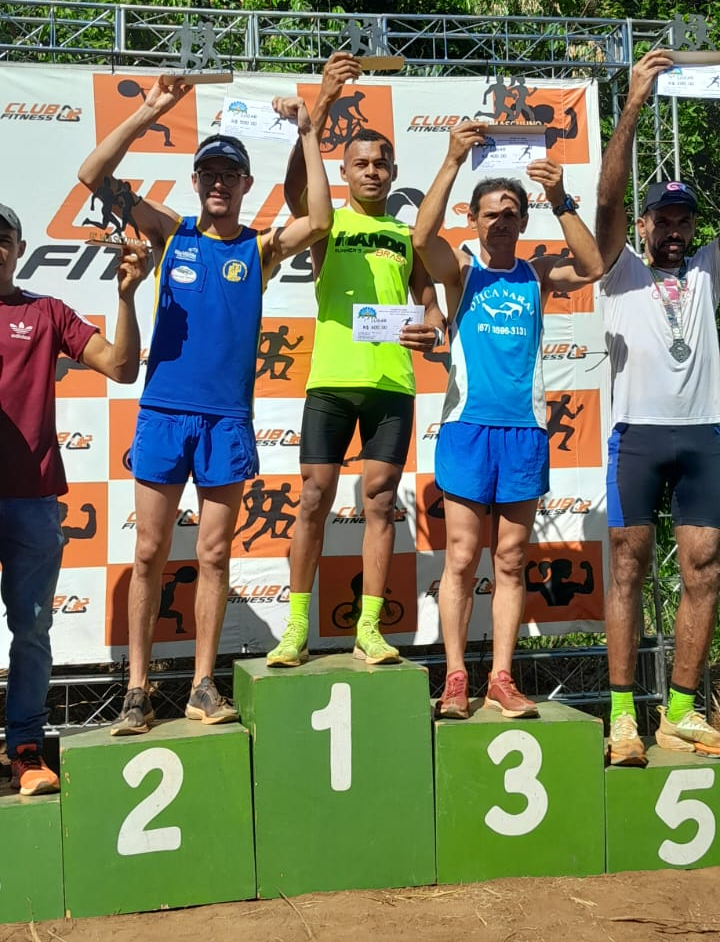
{"x": 136, "y": 715}
{"x": 206, "y": 704}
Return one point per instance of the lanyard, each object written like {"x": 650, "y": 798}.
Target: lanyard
{"x": 673, "y": 307}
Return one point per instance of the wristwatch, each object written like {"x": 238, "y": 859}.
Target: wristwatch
{"x": 568, "y": 205}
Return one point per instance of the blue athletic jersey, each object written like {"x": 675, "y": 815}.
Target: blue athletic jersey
{"x": 208, "y": 304}
{"x": 496, "y": 350}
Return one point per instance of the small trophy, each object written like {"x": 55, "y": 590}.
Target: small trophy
{"x": 117, "y": 204}
{"x": 200, "y": 62}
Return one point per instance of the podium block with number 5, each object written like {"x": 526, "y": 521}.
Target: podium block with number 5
{"x": 519, "y": 797}
{"x": 157, "y": 821}
{"x": 31, "y": 876}
{"x": 343, "y": 774}
{"x": 665, "y": 815}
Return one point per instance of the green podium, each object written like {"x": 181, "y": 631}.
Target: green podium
{"x": 519, "y": 797}
{"x": 665, "y": 815}
{"x": 342, "y": 773}
{"x": 156, "y": 821}
{"x": 31, "y": 870}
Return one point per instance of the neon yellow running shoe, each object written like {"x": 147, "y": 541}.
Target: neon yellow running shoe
{"x": 292, "y": 650}
{"x": 371, "y": 647}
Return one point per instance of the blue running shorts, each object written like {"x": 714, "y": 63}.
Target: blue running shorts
{"x": 169, "y": 446}
{"x": 492, "y": 465}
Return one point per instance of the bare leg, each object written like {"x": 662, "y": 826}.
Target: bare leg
{"x": 464, "y": 522}
{"x": 155, "y": 507}
{"x": 512, "y": 526}
{"x": 319, "y": 487}
{"x": 630, "y": 555}
{"x": 699, "y": 558}
{"x": 219, "y": 508}
{"x": 379, "y": 489}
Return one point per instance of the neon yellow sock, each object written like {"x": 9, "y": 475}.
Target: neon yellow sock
{"x": 371, "y": 607}
{"x": 621, "y": 701}
{"x": 679, "y": 703}
{"x": 300, "y": 607}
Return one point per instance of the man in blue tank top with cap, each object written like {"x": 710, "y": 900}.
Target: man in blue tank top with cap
{"x": 492, "y": 452}
{"x": 196, "y": 408}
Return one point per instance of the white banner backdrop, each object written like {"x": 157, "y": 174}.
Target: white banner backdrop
{"x": 50, "y": 119}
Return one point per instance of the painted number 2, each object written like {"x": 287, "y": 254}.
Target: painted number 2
{"x": 519, "y": 780}
{"x": 337, "y": 717}
{"x": 674, "y": 811}
{"x": 133, "y": 838}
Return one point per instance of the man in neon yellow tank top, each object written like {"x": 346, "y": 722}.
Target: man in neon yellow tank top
{"x": 367, "y": 259}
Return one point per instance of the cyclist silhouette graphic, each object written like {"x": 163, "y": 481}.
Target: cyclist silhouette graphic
{"x": 344, "y": 121}
{"x": 346, "y": 614}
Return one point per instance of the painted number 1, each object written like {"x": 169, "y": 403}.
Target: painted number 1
{"x": 133, "y": 837}
{"x": 337, "y": 717}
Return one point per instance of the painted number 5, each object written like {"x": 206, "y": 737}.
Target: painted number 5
{"x": 133, "y": 838}
{"x": 674, "y": 811}
{"x": 519, "y": 780}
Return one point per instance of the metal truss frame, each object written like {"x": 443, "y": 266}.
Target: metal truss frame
{"x": 137, "y": 36}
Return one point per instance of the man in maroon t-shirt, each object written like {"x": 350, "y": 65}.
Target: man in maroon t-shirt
{"x": 34, "y": 330}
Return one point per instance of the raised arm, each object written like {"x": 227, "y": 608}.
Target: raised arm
{"x": 611, "y": 220}
{"x": 307, "y": 229}
{"x": 586, "y": 264}
{"x": 120, "y": 360}
{"x": 442, "y": 262}
{"x": 153, "y": 218}
{"x": 431, "y": 332}
{"x": 340, "y": 68}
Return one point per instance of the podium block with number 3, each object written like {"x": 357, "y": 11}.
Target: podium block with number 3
{"x": 31, "y": 876}
{"x": 519, "y": 797}
{"x": 343, "y": 774}
{"x": 665, "y": 815}
{"x": 157, "y": 821}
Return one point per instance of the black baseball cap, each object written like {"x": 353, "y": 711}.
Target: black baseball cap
{"x": 670, "y": 193}
{"x": 223, "y": 145}
{"x": 10, "y": 217}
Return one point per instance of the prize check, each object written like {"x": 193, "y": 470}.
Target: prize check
{"x": 383, "y": 322}
{"x": 504, "y": 149}
{"x": 243, "y": 117}
{"x": 690, "y": 81}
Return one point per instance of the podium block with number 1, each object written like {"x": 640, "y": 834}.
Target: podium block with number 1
{"x": 343, "y": 774}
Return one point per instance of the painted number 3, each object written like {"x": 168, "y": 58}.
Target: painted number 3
{"x": 519, "y": 780}
{"x": 134, "y": 836}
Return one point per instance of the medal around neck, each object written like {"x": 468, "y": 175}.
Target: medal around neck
{"x": 680, "y": 351}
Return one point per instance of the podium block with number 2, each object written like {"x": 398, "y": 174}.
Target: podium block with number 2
{"x": 343, "y": 774}
{"x": 157, "y": 821}
{"x": 519, "y": 797}
{"x": 665, "y": 815}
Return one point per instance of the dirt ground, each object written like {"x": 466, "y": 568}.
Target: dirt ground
{"x": 626, "y": 907}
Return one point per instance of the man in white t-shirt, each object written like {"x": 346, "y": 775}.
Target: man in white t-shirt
{"x": 659, "y": 314}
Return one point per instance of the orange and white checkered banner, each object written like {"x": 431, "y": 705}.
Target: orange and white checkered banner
{"x": 51, "y": 118}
